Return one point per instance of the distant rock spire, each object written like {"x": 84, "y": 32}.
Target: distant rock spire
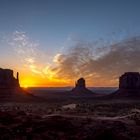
{"x": 80, "y": 87}
{"x": 17, "y": 76}
{"x": 80, "y": 83}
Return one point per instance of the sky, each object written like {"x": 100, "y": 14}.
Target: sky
{"x": 55, "y": 42}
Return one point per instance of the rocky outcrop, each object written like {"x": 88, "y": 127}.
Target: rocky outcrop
{"x": 9, "y": 85}
{"x": 129, "y": 80}
{"x": 129, "y": 84}
{"x": 80, "y": 83}
{"x": 10, "y": 89}
{"x": 7, "y": 80}
{"x": 80, "y": 87}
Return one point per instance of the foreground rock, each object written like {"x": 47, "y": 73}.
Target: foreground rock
{"x": 80, "y": 87}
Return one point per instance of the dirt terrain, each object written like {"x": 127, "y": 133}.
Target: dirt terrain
{"x": 70, "y": 117}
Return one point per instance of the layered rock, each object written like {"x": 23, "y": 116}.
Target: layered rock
{"x": 80, "y": 87}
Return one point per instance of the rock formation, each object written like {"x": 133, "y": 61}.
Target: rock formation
{"x": 10, "y": 89}
{"x": 80, "y": 87}
{"x": 129, "y": 80}
{"x": 129, "y": 84}
{"x": 7, "y": 80}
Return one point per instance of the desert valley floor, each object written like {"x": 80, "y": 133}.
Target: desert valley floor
{"x": 65, "y": 116}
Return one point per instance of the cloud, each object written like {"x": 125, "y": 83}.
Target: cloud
{"x": 100, "y": 65}
{"x": 27, "y": 51}
{"x": 30, "y": 57}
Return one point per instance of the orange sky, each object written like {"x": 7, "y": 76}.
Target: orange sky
{"x": 52, "y": 43}
{"x": 99, "y": 66}
{"x": 31, "y": 80}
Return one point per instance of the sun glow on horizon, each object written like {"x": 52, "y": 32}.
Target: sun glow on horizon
{"x": 25, "y": 86}
{"x": 62, "y": 69}
{"x": 28, "y": 82}
{"x": 37, "y": 81}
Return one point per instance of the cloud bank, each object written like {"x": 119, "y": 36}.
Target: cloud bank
{"x": 27, "y": 51}
{"x": 100, "y": 66}
{"x": 32, "y": 59}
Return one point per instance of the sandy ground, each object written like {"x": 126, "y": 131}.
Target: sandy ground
{"x": 70, "y": 117}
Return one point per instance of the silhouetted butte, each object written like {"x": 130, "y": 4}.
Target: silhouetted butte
{"x": 10, "y": 88}
{"x": 80, "y": 87}
{"x": 129, "y": 84}
{"x": 7, "y": 80}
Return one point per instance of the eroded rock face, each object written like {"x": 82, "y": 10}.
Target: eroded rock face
{"x": 7, "y": 80}
{"x": 129, "y": 80}
{"x": 80, "y": 87}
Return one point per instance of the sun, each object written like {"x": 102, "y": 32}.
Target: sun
{"x": 25, "y": 86}
{"x": 27, "y": 82}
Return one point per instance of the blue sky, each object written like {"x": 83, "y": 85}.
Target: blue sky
{"x": 53, "y": 21}
{"x": 55, "y": 24}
